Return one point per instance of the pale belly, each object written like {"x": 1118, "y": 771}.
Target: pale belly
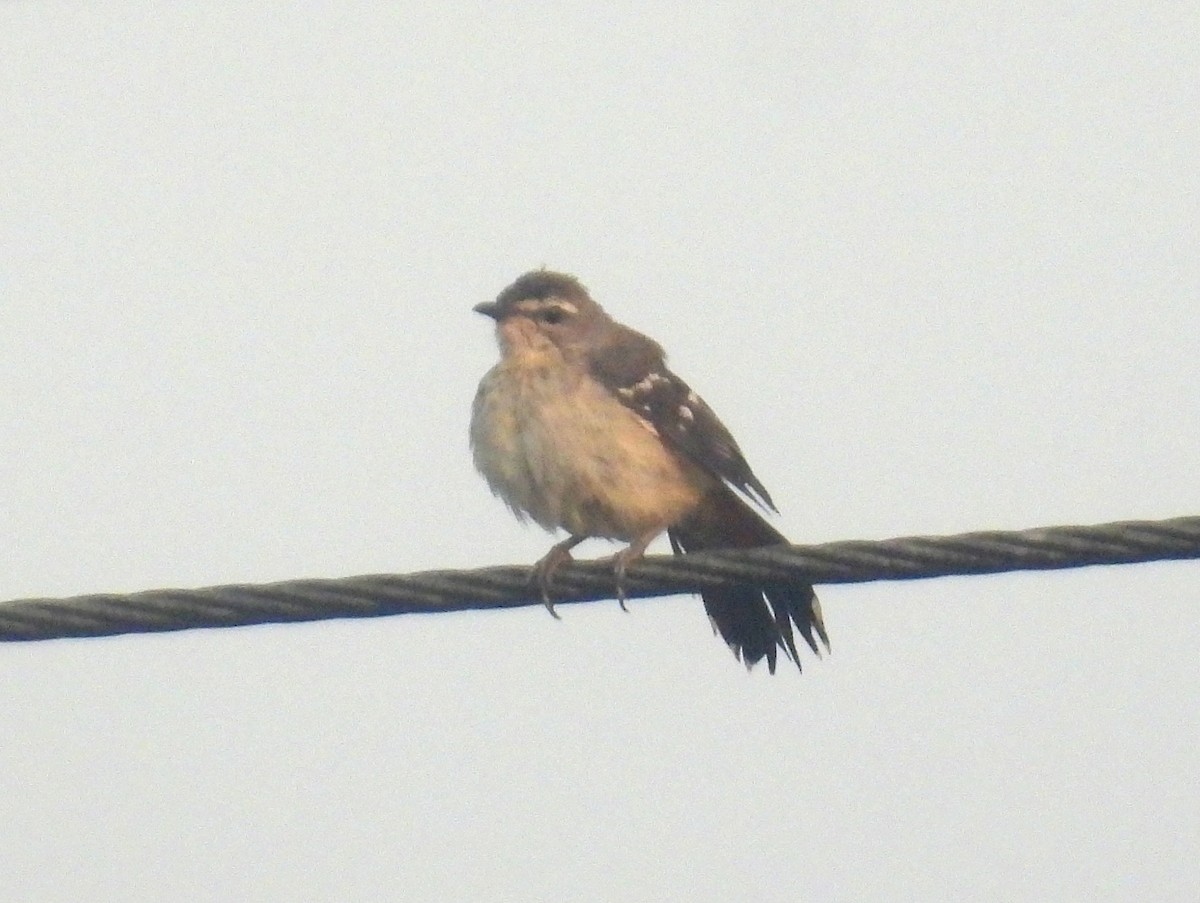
{"x": 568, "y": 455}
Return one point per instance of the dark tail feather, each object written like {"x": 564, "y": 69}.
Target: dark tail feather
{"x": 754, "y": 622}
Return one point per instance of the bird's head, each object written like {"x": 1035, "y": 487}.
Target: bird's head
{"x": 543, "y": 309}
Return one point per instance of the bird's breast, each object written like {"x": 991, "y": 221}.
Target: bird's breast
{"x": 559, "y": 448}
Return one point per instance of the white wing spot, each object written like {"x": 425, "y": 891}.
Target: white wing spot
{"x": 649, "y": 381}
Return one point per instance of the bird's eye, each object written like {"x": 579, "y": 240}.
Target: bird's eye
{"x": 552, "y": 315}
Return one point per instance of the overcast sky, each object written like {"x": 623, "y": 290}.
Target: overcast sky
{"x": 938, "y": 272}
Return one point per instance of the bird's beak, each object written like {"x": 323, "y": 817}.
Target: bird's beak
{"x": 488, "y": 309}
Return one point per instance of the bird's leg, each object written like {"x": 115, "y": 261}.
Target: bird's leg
{"x": 626, "y": 557}
{"x": 543, "y": 571}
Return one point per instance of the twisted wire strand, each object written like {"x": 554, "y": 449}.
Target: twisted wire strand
{"x": 853, "y": 561}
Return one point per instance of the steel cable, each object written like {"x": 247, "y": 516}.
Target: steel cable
{"x": 853, "y": 561}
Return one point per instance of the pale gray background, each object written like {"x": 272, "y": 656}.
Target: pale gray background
{"x": 936, "y": 267}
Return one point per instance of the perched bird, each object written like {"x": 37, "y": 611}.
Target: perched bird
{"x": 582, "y": 427}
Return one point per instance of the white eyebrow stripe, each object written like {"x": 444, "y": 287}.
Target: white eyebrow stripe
{"x": 529, "y": 305}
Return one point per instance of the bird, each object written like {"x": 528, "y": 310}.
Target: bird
{"x": 582, "y": 427}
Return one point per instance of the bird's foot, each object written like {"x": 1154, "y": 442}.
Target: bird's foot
{"x": 621, "y": 562}
{"x": 548, "y": 565}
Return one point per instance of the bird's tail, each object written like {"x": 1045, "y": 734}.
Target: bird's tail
{"x": 754, "y": 621}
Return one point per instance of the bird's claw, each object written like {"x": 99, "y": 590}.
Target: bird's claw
{"x": 620, "y": 563}
{"x": 543, "y": 575}
{"x": 544, "y": 571}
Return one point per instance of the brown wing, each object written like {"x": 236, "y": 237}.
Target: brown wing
{"x": 633, "y": 367}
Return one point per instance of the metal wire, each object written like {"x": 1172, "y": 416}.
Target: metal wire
{"x": 854, "y": 561}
